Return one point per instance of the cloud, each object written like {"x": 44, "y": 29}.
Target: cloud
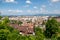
{"x": 28, "y": 11}
{"x": 55, "y": 0}
{"x": 26, "y": 6}
{"x": 56, "y": 11}
{"x": 35, "y": 7}
{"x": 37, "y": 11}
{"x": 28, "y": 1}
{"x": 10, "y": 1}
{"x": 43, "y": 6}
{"x": 42, "y": 10}
{"x": 32, "y": 11}
{"x": 45, "y": 11}
{"x": 15, "y": 11}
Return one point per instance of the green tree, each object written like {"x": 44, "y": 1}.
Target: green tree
{"x": 0, "y": 17}
{"x": 51, "y": 28}
{"x": 31, "y": 37}
{"x": 19, "y": 22}
{"x": 39, "y": 34}
{"x": 6, "y": 31}
{"x": 5, "y": 20}
{"x": 3, "y": 34}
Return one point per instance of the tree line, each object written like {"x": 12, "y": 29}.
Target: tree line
{"x": 52, "y": 31}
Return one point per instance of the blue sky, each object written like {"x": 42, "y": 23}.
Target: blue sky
{"x": 29, "y": 7}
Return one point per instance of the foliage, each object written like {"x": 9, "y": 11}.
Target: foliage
{"x": 13, "y": 21}
{"x": 39, "y": 34}
{"x": 51, "y": 28}
{"x": 6, "y": 31}
{"x": 0, "y": 17}
{"x": 3, "y": 34}
{"x": 19, "y": 22}
{"x": 5, "y": 20}
{"x": 9, "y": 33}
{"x": 58, "y": 38}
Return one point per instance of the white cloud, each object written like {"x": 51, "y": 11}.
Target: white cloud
{"x": 37, "y": 11}
{"x": 35, "y": 7}
{"x": 32, "y": 11}
{"x": 15, "y": 11}
{"x": 55, "y": 0}
{"x": 49, "y": 12}
{"x": 28, "y": 1}
{"x": 19, "y": 11}
{"x": 10, "y": 1}
{"x": 43, "y": 6}
{"x": 42, "y": 10}
{"x": 26, "y": 6}
{"x": 10, "y": 10}
{"x": 56, "y": 11}
{"x": 28, "y": 10}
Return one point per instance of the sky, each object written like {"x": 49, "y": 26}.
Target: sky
{"x": 29, "y": 7}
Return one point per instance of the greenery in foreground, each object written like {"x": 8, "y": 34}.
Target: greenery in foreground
{"x": 52, "y": 31}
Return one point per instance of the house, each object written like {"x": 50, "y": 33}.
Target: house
{"x": 24, "y": 29}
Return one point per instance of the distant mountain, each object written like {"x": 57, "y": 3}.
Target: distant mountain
{"x": 47, "y": 15}
{"x": 34, "y": 15}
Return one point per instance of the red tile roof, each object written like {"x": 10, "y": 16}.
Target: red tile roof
{"x": 24, "y": 29}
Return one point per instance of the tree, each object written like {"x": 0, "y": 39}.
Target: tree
{"x": 19, "y": 22}
{"x": 51, "y": 28}
{"x": 39, "y": 34}
{"x": 3, "y": 34}
{"x": 0, "y": 17}
{"x": 6, "y": 31}
{"x": 58, "y": 38}
{"x": 5, "y": 20}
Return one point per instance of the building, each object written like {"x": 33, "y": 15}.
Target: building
{"x": 25, "y": 28}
